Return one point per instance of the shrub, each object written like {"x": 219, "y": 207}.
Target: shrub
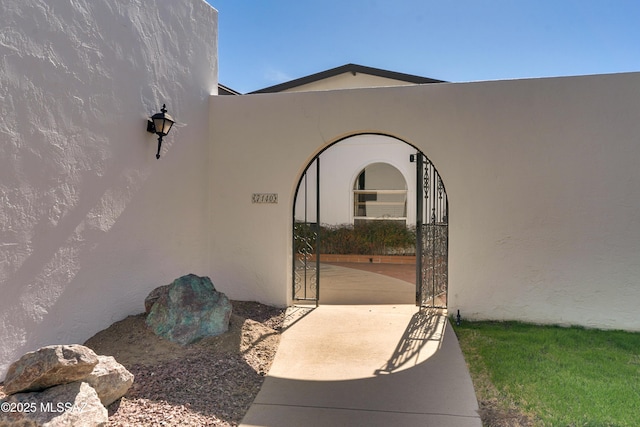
{"x": 369, "y": 238}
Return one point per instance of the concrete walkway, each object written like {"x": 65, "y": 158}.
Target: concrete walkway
{"x": 341, "y": 285}
{"x": 366, "y": 365}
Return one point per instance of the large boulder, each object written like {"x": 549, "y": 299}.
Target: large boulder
{"x": 49, "y": 366}
{"x": 189, "y": 309}
{"x": 73, "y": 404}
{"x": 110, "y": 379}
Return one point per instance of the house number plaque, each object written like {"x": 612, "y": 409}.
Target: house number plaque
{"x": 264, "y": 198}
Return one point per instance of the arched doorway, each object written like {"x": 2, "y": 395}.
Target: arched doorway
{"x": 371, "y": 180}
{"x": 379, "y": 194}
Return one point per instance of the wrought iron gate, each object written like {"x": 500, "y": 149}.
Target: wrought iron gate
{"x": 306, "y": 235}
{"x": 432, "y": 240}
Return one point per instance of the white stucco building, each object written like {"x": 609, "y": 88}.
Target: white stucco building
{"x": 388, "y": 189}
{"x": 365, "y": 177}
{"x": 90, "y": 221}
{"x": 541, "y": 175}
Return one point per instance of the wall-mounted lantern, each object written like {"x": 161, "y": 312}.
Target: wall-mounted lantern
{"x": 160, "y": 124}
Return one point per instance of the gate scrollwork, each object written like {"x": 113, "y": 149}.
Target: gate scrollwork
{"x": 433, "y": 238}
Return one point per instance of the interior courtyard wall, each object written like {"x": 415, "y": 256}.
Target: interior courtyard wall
{"x": 91, "y": 221}
{"x": 339, "y": 168}
{"x": 541, "y": 176}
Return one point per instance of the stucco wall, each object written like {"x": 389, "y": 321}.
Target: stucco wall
{"x": 541, "y": 177}
{"x": 90, "y": 220}
{"x": 340, "y": 166}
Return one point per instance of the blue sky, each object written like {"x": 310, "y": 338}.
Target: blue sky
{"x": 266, "y": 42}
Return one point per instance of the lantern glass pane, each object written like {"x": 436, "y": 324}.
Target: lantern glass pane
{"x": 158, "y": 122}
{"x": 167, "y": 126}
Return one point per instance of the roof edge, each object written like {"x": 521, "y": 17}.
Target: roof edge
{"x": 227, "y": 89}
{"x": 352, "y": 68}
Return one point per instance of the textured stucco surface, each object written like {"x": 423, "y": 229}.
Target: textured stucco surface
{"x": 90, "y": 220}
{"x": 541, "y": 176}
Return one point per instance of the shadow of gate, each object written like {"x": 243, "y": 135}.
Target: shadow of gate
{"x": 421, "y": 340}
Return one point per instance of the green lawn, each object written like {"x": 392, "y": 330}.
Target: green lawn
{"x": 559, "y": 376}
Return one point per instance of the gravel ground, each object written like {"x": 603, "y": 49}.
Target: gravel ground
{"x": 210, "y": 383}
{"x": 213, "y": 382}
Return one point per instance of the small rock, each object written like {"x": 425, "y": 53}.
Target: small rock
{"x": 73, "y": 404}
{"x": 49, "y": 366}
{"x": 189, "y": 310}
{"x": 157, "y": 293}
{"x": 110, "y": 379}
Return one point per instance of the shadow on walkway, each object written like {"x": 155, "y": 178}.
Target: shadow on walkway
{"x": 375, "y": 365}
{"x": 422, "y": 338}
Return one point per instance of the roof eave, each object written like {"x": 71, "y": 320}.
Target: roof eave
{"x": 348, "y": 68}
